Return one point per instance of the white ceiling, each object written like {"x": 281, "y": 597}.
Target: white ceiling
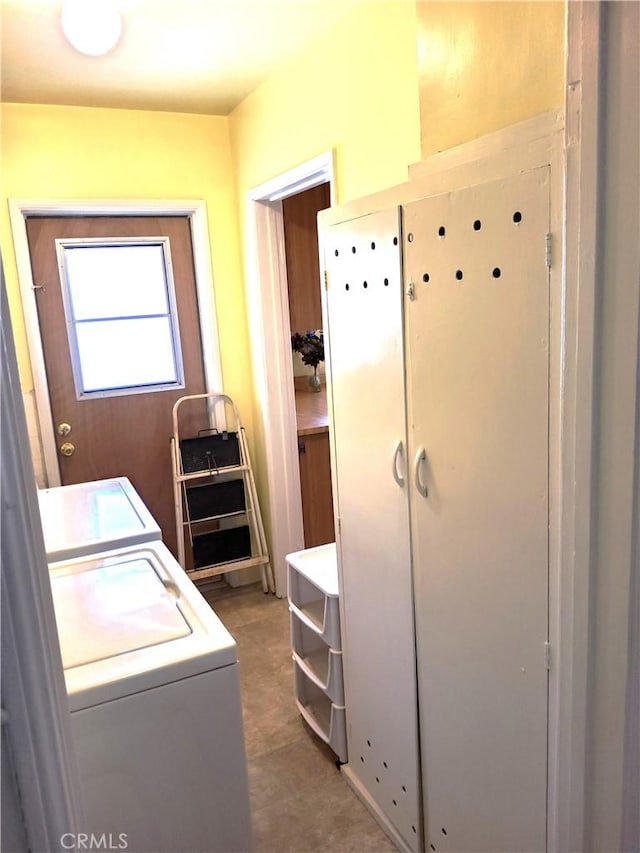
{"x": 198, "y": 56}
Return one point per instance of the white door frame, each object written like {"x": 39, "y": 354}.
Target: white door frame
{"x": 268, "y": 302}
{"x": 194, "y": 210}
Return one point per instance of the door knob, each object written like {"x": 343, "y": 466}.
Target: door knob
{"x": 67, "y": 449}
{"x": 64, "y": 429}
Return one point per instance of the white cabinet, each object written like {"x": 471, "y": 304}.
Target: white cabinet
{"x": 312, "y": 582}
{"x": 437, "y": 333}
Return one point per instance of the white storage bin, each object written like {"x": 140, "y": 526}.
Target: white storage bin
{"x": 313, "y": 591}
{"x": 326, "y": 719}
{"x": 319, "y": 662}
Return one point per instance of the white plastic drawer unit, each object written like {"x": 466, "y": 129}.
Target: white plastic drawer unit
{"x": 320, "y": 663}
{"x": 312, "y": 579}
{"x": 325, "y": 718}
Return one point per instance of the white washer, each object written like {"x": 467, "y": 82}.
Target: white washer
{"x": 89, "y": 517}
{"x": 154, "y": 693}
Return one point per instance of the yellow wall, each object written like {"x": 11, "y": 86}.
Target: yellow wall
{"x": 484, "y": 66}
{"x": 73, "y": 152}
{"x": 358, "y": 90}
{"x": 354, "y": 89}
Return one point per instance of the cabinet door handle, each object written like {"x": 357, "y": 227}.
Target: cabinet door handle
{"x": 398, "y": 452}
{"x": 420, "y": 457}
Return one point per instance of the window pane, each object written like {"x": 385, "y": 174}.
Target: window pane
{"x": 125, "y": 353}
{"x": 116, "y": 281}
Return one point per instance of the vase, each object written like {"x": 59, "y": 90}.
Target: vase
{"x": 314, "y": 382}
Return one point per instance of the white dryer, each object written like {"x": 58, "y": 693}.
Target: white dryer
{"x": 154, "y": 693}
{"x": 85, "y": 518}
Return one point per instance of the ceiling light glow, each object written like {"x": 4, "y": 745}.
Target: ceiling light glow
{"x": 93, "y": 27}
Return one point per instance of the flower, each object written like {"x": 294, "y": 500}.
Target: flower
{"x": 310, "y": 345}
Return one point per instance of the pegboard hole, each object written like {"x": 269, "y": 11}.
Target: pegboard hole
{"x": 378, "y": 779}
{"x": 368, "y": 743}
{"x": 385, "y": 765}
{"x": 365, "y": 285}
{"x": 373, "y": 245}
{"x": 497, "y": 272}
{"x": 477, "y": 225}
{"x": 432, "y": 846}
{"x": 404, "y": 789}
{"x": 386, "y": 282}
{"x": 362, "y": 758}
{"x": 413, "y": 829}
{"x": 337, "y": 253}
{"x": 346, "y": 287}
{"x": 410, "y": 237}
{"x": 459, "y": 275}
{"x": 425, "y": 278}
{"x": 517, "y": 217}
{"x": 395, "y": 241}
{"x": 395, "y": 803}
{"x": 442, "y": 231}
{"x": 444, "y": 831}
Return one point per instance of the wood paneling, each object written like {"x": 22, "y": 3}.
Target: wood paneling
{"x": 301, "y": 252}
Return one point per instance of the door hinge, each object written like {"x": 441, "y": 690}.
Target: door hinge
{"x": 548, "y": 250}
{"x": 547, "y": 655}
{"x": 326, "y": 280}
{"x": 411, "y": 291}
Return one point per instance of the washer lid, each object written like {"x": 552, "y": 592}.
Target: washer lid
{"x": 130, "y": 619}
{"x": 113, "y": 609}
{"x": 87, "y": 517}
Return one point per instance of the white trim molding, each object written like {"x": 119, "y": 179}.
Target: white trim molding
{"x": 568, "y": 728}
{"x": 195, "y": 210}
{"x": 35, "y": 712}
{"x": 271, "y": 335}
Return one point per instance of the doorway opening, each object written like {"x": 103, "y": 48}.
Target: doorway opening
{"x": 299, "y": 214}
{"x": 270, "y": 330}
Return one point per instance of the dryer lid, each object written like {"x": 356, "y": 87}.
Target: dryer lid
{"x": 86, "y": 517}
{"x": 110, "y": 610}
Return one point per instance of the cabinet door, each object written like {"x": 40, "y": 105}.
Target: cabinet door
{"x": 364, "y": 340}
{"x": 315, "y": 487}
{"x": 477, "y": 332}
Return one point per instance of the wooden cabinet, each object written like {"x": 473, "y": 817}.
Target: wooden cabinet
{"x": 315, "y": 467}
{"x": 315, "y": 483}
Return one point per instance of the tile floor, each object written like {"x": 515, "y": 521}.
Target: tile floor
{"x": 300, "y": 803}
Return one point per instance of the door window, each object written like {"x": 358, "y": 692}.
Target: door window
{"x": 121, "y": 318}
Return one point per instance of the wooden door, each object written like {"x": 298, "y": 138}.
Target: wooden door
{"x": 123, "y": 434}
{"x": 478, "y": 362}
{"x": 364, "y": 311}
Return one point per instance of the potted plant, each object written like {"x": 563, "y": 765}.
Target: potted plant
{"x": 310, "y": 345}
